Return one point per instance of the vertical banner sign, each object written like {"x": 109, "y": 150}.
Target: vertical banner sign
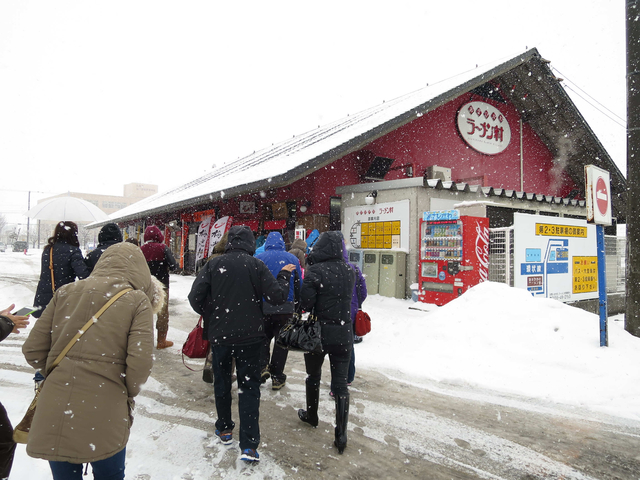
{"x": 217, "y": 230}
{"x": 202, "y": 244}
{"x": 598, "y": 192}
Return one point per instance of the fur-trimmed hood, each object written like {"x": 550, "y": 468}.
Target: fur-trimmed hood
{"x": 126, "y": 261}
{"x": 105, "y": 368}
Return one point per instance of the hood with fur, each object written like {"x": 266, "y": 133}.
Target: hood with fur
{"x": 126, "y": 261}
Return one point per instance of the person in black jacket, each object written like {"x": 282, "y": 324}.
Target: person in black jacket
{"x": 229, "y": 291}
{"x": 109, "y": 235}
{"x": 8, "y": 324}
{"x": 327, "y": 288}
{"x": 63, "y": 254}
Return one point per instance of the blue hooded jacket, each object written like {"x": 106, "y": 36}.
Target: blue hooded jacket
{"x": 312, "y": 239}
{"x": 275, "y": 257}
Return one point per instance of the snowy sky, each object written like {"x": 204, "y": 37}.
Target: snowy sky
{"x": 97, "y": 95}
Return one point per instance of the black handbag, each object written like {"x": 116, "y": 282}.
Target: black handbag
{"x": 301, "y": 335}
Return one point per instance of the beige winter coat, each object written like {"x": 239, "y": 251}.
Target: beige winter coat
{"x": 84, "y": 409}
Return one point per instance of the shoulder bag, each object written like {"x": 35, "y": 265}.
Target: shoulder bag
{"x": 195, "y": 346}
{"x": 363, "y": 321}
{"x": 301, "y": 335}
{"x": 53, "y": 280}
{"x": 21, "y": 432}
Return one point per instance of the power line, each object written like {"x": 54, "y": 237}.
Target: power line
{"x": 617, "y": 118}
{"x": 623, "y": 125}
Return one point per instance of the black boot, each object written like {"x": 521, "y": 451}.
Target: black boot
{"x": 342, "y": 419}
{"x": 310, "y": 415}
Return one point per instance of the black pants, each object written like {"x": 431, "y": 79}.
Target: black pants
{"x": 248, "y": 374}
{"x": 339, "y": 358}
{"x": 276, "y": 360}
{"x": 7, "y": 445}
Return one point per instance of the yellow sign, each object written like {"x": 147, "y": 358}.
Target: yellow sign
{"x": 585, "y": 274}
{"x": 551, "y": 230}
{"x": 380, "y": 234}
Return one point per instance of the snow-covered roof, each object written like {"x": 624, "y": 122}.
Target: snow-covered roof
{"x": 290, "y": 160}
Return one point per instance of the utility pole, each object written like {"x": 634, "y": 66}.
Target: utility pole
{"x": 632, "y": 314}
{"x": 28, "y": 208}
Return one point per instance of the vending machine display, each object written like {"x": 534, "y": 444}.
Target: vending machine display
{"x": 454, "y": 255}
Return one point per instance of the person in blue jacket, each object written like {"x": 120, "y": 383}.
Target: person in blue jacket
{"x": 312, "y": 239}
{"x": 275, "y": 256}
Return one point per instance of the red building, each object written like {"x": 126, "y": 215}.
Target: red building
{"x": 507, "y": 133}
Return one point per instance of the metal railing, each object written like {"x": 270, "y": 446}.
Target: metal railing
{"x": 615, "y": 250}
{"x": 501, "y": 255}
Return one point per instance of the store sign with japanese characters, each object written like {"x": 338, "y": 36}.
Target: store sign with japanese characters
{"x": 484, "y": 128}
{"x": 380, "y": 226}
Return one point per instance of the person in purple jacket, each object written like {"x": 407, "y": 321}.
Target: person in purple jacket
{"x": 358, "y": 296}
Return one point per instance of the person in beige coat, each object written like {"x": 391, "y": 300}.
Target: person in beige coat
{"x": 85, "y": 407}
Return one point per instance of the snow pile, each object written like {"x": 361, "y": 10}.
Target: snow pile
{"x": 499, "y": 338}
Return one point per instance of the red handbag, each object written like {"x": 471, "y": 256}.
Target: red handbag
{"x": 363, "y": 323}
{"x": 196, "y": 346}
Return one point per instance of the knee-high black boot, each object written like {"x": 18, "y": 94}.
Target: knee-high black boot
{"x": 342, "y": 419}
{"x": 310, "y": 415}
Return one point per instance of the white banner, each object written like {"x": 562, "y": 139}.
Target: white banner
{"x": 203, "y": 235}
{"x": 217, "y": 230}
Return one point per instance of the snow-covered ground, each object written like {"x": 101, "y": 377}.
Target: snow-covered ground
{"x": 495, "y": 343}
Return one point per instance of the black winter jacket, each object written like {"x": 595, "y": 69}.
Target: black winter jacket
{"x": 109, "y": 235}
{"x": 235, "y": 283}
{"x": 6, "y": 327}
{"x": 67, "y": 265}
{"x": 327, "y": 288}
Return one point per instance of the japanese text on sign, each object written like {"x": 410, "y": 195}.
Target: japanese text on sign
{"x": 560, "y": 230}
{"x": 440, "y": 215}
{"x": 585, "y": 274}
{"x": 488, "y": 131}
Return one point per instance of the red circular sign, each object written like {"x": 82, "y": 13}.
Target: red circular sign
{"x": 602, "y": 196}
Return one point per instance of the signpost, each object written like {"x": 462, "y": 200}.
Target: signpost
{"x": 598, "y": 192}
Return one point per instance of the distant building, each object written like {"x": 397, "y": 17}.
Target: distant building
{"x": 133, "y": 192}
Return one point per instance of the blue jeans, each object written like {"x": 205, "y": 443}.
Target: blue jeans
{"x": 248, "y": 374}
{"x": 276, "y": 360}
{"x": 111, "y": 468}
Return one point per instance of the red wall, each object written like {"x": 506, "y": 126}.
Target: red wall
{"x": 431, "y": 139}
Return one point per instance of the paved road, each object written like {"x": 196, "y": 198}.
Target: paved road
{"x": 398, "y": 430}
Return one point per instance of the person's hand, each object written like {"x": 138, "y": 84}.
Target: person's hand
{"x": 289, "y": 268}
{"x": 19, "y": 321}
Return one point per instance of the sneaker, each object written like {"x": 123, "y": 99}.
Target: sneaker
{"x": 264, "y": 376}
{"x": 357, "y": 339}
{"x": 250, "y": 455}
{"x": 277, "y": 384}
{"x": 226, "y": 436}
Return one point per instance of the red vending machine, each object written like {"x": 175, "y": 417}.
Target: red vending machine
{"x": 454, "y": 255}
